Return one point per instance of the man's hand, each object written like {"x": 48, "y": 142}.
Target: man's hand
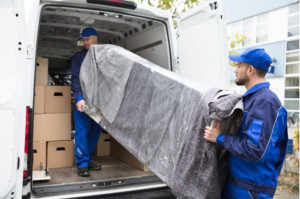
{"x": 211, "y": 133}
{"x": 80, "y": 105}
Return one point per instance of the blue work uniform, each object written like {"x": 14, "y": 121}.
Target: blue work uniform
{"x": 87, "y": 130}
{"x": 258, "y": 151}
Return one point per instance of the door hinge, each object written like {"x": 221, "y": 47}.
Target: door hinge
{"x": 214, "y": 5}
{"x": 18, "y": 163}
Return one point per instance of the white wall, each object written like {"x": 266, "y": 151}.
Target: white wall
{"x": 277, "y": 86}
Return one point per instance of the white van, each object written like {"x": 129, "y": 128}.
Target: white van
{"x": 49, "y": 28}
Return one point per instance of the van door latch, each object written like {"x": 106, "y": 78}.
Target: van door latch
{"x": 29, "y": 52}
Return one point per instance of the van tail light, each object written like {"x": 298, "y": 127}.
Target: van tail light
{"x": 27, "y": 124}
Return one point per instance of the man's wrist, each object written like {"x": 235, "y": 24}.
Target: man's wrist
{"x": 220, "y": 139}
{"x": 79, "y": 98}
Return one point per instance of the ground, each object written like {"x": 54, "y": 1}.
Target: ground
{"x": 288, "y": 186}
{"x": 288, "y": 181}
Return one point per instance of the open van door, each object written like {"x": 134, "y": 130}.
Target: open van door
{"x": 13, "y": 92}
{"x": 202, "y": 45}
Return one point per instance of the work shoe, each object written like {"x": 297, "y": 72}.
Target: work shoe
{"x": 83, "y": 172}
{"x": 94, "y": 167}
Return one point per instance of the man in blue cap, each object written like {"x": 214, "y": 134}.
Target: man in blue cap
{"x": 257, "y": 153}
{"x": 87, "y": 130}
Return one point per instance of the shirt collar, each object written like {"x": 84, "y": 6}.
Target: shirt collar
{"x": 257, "y": 87}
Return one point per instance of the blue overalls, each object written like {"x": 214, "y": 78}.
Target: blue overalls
{"x": 258, "y": 151}
{"x": 87, "y": 130}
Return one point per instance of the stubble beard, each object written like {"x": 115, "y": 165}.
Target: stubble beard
{"x": 241, "y": 81}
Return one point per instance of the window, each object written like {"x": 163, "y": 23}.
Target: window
{"x": 248, "y": 31}
{"x": 234, "y": 29}
{"x": 262, "y": 28}
{"x": 292, "y": 88}
{"x": 292, "y": 45}
{"x": 291, "y": 104}
{"x": 292, "y": 93}
{"x": 292, "y": 57}
{"x": 292, "y": 82}
{"x": 292, "y": 68}
{"x": 254, "y": 28}
{"x": 293, "y": 20}
{"x": 294, "y": 9}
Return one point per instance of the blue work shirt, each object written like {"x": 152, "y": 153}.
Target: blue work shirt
{"x": 77, "y": 60}
{"x": 257, "y": 152}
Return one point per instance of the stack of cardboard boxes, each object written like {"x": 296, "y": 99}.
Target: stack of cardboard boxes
{"x": 52, "y": 144}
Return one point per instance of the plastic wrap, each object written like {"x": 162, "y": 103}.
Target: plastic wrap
{"x": 160, "y": 118}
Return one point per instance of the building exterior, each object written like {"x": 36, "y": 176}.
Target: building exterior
{"x": 273, "y": 25}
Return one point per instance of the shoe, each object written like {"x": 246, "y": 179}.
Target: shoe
{"x": 83, "y": 172}
{"x": 94, "y": 167}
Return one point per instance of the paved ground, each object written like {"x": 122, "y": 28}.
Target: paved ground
{"x": 288, "y": 181}
{"x": 288, "y": 186}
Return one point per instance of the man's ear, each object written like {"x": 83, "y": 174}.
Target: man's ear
{"x": 251, "y": 70}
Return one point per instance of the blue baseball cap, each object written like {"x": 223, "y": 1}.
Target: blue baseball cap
{"x": 256, "y": 57}
{"x": 87, "y": 32}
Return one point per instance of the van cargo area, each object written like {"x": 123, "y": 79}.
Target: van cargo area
{"x": 59, "y": 28}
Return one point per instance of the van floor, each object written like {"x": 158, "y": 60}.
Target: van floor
{"x": 112, "y": 169}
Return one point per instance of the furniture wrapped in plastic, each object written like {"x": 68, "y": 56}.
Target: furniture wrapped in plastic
{"x": 160, "y": 118}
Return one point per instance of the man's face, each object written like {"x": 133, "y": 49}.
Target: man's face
{"x": 241, "y": 73}
{"x": 89, "y": 41}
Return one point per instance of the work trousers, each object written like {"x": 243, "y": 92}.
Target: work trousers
{"x": 233, "y": 191}
{"x": 86, "y": 137}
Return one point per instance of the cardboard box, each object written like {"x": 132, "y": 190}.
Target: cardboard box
{"x": 41, "y": 73}
{"x": 51, "y": 127}
{"x": 103, "y": 145}
{"x": 120, "y": 153}
{"x": 39, "y": 155}
{"x": 39, "y": 99}
{"x": 58, "y": 99}
{"x": 60, "y": 154}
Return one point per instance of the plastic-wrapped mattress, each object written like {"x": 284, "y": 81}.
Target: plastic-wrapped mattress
{"x": 160, "y": 118}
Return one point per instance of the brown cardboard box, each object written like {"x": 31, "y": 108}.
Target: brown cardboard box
{"x": 51, "y": 127}
{"x": 39, "y": 101}
{"x": 120, "y": 153}
{"x": 103, "y": 145}
{"x": 58, "y": 99}
{"x": 41, "y": 73}
{"x": 60, "y": 154}
{"x": 39, "y": 155}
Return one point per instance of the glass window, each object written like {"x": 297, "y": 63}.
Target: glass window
{"x": 293, "y": 31}
{"x": 292, "y": 45}
{"x": 292, "y": 93}
{"x": 261, "y": 38}
{"x": 292, "y": 81}
{"x": 294, "y": 8}
{"x": 291, "y": 104}
{"x": 293, "y": 20}
{"x": 261, "y": 28}
{"x": 292, "y": 57}
{"x": 292, "y": 68}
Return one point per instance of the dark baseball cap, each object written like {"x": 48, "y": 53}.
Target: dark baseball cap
{"x": 87, "y": 32}
{"x": 256, "y": 57}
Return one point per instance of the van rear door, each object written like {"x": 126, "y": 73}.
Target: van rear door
{"x": 202, "y": 45}
{"x": 12, "y": 107}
